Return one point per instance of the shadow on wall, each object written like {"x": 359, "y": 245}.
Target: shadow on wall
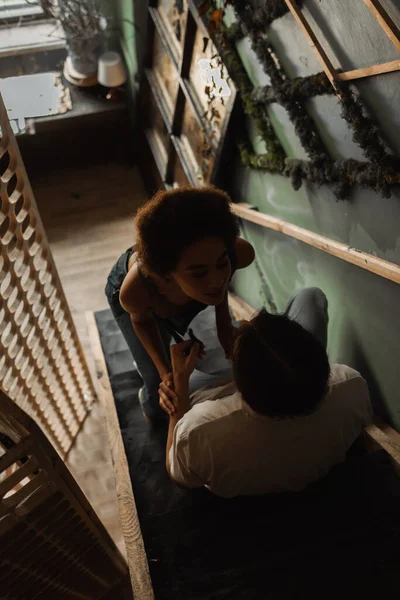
{"x": 365, "y": 330}
{"x": 356, "y": 357}
{"x": 366, "y": 221}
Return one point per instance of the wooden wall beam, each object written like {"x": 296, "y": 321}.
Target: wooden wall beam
{"x": 366, "y": 261}
{"x": 333, "y": 74}
{"x": 388, "y": 67}
{"x": 312, "y": 39}
{"x": 387, "y": 24}
{"x": 386, "y": 438}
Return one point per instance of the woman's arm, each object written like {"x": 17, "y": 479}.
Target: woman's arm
{"x": 149, "y": 334}
{"x": 134, "y": 298}
{"x": 183, "y": 365}
{"x": 182, "y": 389}
{"x": 225, "y": 330}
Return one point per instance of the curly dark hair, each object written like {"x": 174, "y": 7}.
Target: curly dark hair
{"x": 279, "y": 367}
{"x": 173, "y": 220}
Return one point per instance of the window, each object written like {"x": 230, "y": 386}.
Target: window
{"x": 17, "y": 11}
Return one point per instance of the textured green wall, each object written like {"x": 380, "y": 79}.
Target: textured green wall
{"x": 127, "y": 32}
{"x": 364, "y": 323}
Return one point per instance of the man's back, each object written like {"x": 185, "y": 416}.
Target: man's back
{"x": 225, "y": 445}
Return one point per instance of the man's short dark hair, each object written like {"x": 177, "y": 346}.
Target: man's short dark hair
{"x": 279, "y": 367}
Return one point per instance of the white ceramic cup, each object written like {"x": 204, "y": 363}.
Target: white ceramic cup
{"x": 111, "y": 70}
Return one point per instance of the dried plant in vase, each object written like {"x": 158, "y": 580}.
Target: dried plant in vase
{"x": 84, "y": 26}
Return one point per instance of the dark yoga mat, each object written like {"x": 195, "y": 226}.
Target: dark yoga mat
{"x": 338, "y": 539}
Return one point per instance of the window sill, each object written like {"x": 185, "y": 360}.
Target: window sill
{"x": 31, "y": 37}
{"x": 16, "y": 13}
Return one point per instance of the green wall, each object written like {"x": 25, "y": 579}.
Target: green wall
{"x": 364, "y": 328}
{"x": 127, "y": 33}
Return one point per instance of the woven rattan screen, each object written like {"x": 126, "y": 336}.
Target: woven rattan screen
{"x": 52, "y": 545}
{"x": 41, "y": 360}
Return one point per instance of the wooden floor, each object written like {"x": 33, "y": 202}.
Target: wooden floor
{"x": 87, "y": 214}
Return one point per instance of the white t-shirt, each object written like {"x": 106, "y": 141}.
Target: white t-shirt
{"x": 221, "y": 443}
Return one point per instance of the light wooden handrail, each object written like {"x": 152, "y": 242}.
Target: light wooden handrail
{"x": 366, "y": 261}
{"x": 388, "y": 67}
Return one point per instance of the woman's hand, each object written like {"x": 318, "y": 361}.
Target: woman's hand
{"x": 202, "y": 349}
{"x": 183, "y": 364}
{"x": 167, "y": 395}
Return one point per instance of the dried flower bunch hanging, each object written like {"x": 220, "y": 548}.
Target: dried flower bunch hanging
{"x": 381, "y": 173}
{"x": 294, "y": 90}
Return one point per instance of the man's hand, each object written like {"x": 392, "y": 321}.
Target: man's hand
{"x": 183, "y": 365}
{"x": 183, "y": 358}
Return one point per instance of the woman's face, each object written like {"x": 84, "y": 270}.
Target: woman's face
{"x": 203, "y": 271}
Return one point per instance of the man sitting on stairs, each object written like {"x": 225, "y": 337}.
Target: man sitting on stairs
{"x": 284, "y": 421}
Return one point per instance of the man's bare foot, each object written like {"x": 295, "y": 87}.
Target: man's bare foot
{"x": 146, "y": 418}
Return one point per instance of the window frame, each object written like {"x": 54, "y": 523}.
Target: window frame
{"x": 20, "y": 12}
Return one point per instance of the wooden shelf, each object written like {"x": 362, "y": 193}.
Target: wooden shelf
{"x": 180, "y": 151}
{"x": 184, "y": 83}
{"x": 160, "y": 99}
{"x": 154, "y": 144}
{"x": 164, "y": 34}
{"x": 181, "y": 104}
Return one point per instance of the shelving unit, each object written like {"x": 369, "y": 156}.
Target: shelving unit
{"x": 185, "y": 139}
